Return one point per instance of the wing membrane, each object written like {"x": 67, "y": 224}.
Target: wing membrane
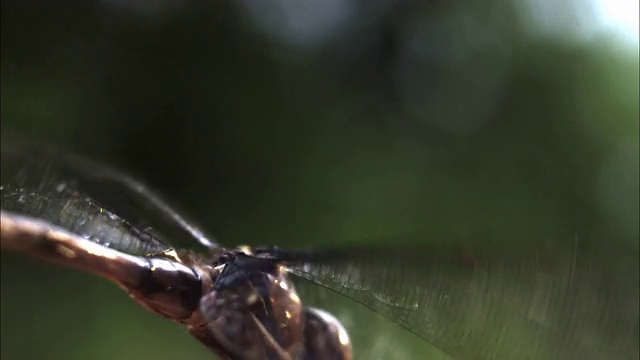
{"x": 72, "y": 192}
{"x": 540, "y": 302}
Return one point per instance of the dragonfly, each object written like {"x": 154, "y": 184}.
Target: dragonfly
{"x": 473, "y": 300}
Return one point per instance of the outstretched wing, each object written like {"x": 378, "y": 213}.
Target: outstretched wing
{"x": 544, "y": 301}
{"x": 89, "y": 199}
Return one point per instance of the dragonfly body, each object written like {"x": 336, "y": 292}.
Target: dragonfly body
{"x": 240, "y": 306}
{"x": 564, "y": 300}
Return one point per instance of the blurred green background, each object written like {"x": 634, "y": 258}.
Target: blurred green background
{"x": 317, "y": 124}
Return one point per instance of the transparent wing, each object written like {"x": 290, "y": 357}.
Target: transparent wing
{"x": 565, "y": 301}
{"x": 84, "y": 197}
